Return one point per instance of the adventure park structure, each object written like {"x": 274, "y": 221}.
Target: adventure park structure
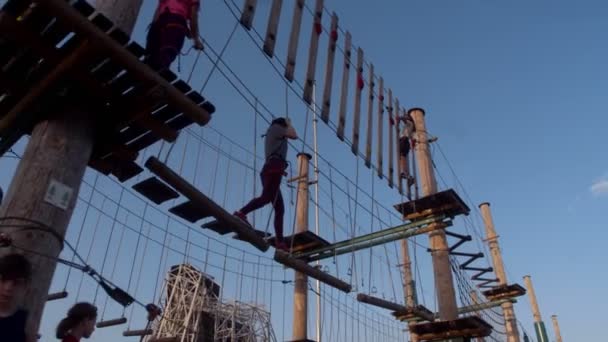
{"x": 110, "y": 164}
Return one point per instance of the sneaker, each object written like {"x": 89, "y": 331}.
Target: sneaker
{"x": 240, "y": 215}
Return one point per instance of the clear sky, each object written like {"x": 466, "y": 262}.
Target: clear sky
{"x": 516, "y": 94}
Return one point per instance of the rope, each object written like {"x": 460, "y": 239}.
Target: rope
{"x": 219, "y": 56}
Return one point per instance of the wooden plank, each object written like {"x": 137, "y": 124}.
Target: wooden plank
{"x": 344, "y": 94}
{"x": 272, "y": 28}
{"x": 398, "y": 147}
{"x": 370, "y": 117}
{"x": 390, "y": 138}
{"x": 182, "y": 186}
{"x": 329, "y": 68}
{"x": 379, "y": 146}
{"x": 313, "y": 272}
{"x": 130, "y": 62}
{"x": 292, "y": 50}
{"x": 381, "y": 303}
{"x": 360, "y": 83}
{"x": 317, "y": 29}
{"x": 248, "y": 13}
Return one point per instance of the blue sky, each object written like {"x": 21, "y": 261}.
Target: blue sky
{"x": 516, "y": 94}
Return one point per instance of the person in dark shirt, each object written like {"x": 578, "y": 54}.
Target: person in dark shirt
{"x": 79, "y": 323}
{"x": 275, "y": 146}
{"x": 15, "y": 273}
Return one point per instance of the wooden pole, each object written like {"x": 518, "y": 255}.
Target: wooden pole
{"x": 409, "y": 290}
{"x": 294, "y": 38}
{"x": 380, "y": 125}
{"x": 329, "y": 68}
{"x": 499, "y": 269}
{"x": 344, "y": 93}
{"x": 47, "y": 181}
{"x": 539, "y": 325}
{"x": 273, "y": 25}
{"x": 300, "y": 296}
{"x": 444, "y": 283}
{"x": 558, "y": 334}
{"x": 475, "y": 300}
{"x": 357, "y": 106}
{"x": 370, "y": 118}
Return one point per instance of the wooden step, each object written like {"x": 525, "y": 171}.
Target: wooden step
{"x": 445, "y": 330}
{"x": 155, "y": 190}
{"x": 415, "y": 312}
{"x": 446, "y": 203}
{"x": 218, "y": 227}
{"x": 259, "y": 233}
{"x": 504, "y": 291}
{"x": 302, "y": 242}
{"x": 125, "y": 170}
{"x": 313, "y": 272}
{"x": 190, "y": 211}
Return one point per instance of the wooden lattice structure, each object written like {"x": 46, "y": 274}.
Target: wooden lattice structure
{"x": 57, "y": 56}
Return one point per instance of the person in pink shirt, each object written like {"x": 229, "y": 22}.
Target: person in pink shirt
{"x": 174, "y": 20}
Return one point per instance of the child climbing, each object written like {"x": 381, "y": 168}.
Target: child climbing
{"x": 275, "y": 147}
{"x": 405, "y": 139}
{"x": 169, "y": 29}
{"x": 15, "y": 272}
{"x": 79, "y": 323}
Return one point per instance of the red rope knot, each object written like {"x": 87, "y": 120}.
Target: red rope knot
{"x": 381, "y": 98}
{"x": 153, "y": 311}
{"x": 318, "y": 28}
{"x": 360, "y": 82}
{"x": 334, "y": 35}
{"x": 391, "y": 120}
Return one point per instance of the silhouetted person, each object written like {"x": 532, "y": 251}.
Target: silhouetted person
{"x": 174, "y": 20}
{"x": 275, "y": 147}
{"x": 79, "y": 323}
{"x": 15, "y": 274}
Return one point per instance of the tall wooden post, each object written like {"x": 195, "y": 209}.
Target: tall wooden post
{"x": 539, "y": 325}
{"x": 409, "y": 288}
{"x": 475, "y": 300}
{"x": 499, "y": 268}
{"x": 444, "y": 283}
{"x": 46, "y": 184}
{"x": 558, "y": 334}
{"x": 300, "y": 296}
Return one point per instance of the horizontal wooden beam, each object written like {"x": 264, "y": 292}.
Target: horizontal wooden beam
{"x": 313, "y": 272}
{"x": 243, "y": 230}
{"x": 82, "y": 26}
{"x": 381, "y": 303}
{"x": 144, "y": 332}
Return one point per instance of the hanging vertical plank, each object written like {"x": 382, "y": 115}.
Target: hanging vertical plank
{"x": 391, "y": 123}
{"x": 398, "y": 147}
{"x": 248, "y": 13}
{"x": 359, "y": 88}
{"x": 293, "y": 40}
{"x": 317, "y": 29}
{"x": 329, "y": 69}
{"x": 273, "y": 26}
{"x": 344, "y": 95}
{"x": 370, "y": 120}
{"x": 380, "y": 124}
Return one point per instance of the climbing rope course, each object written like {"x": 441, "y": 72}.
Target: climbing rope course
{"x": 142, "y": 239}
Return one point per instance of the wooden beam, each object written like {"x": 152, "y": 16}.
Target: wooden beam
{"x": 317, "y": 29}
{"x": 273, "y": 25}
{"x": 143, "y": 332}
{"x": 248, "y": 13}
{"x": 344, "y": 94}
{"x": 182, "y": 186}
{"x": 313, "y": 272}
{"x": 381, "y": 303}
{"x": 142, "y": 72}
{"x": 329, "y": 68}
{"x": 379, "y": 150}
{"x": 292, "y": 50}
{"x": 358, "y": 89}
{"x": 398, "y": 113}
{"x": 370, "y": 119}
{"x": 390, "y": 138}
